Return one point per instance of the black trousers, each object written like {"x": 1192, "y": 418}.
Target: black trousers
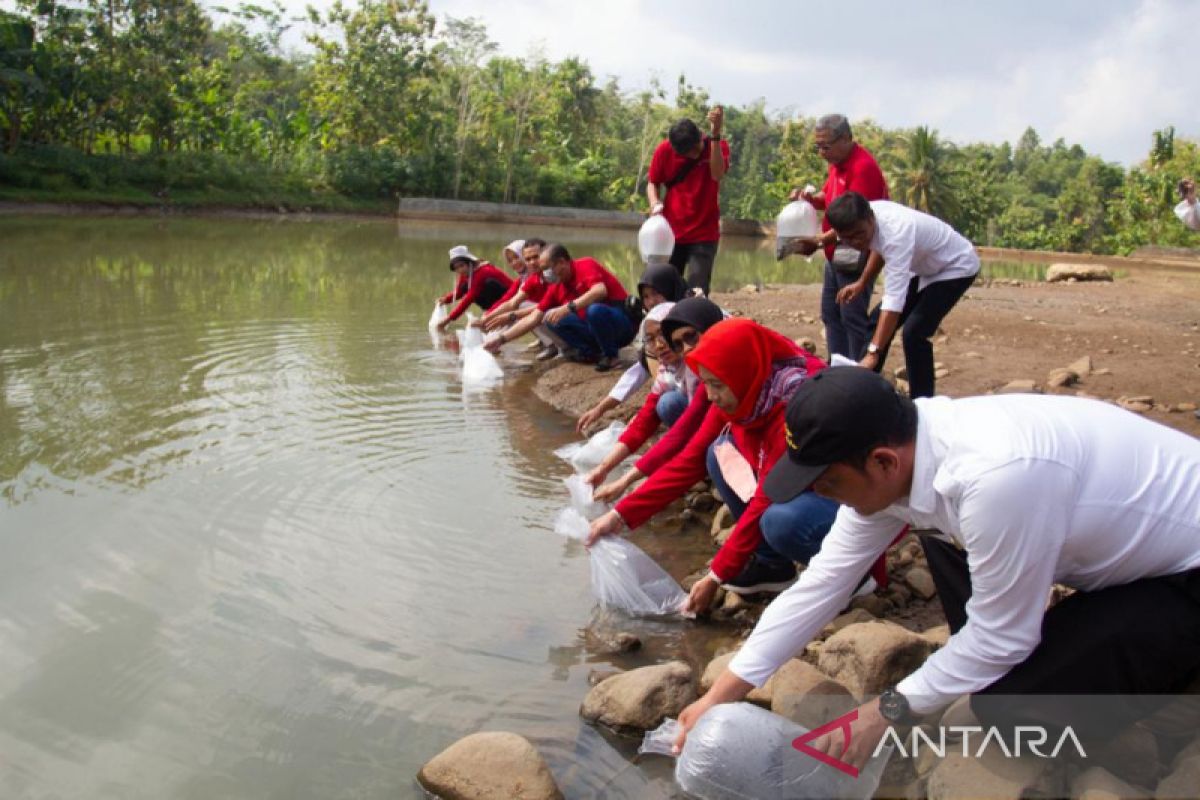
{"x": 1107, "y": 658}
{"x": 695, "y": 263}
{"x": 923, "y": 312}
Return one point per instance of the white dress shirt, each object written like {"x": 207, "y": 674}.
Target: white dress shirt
{"x": 1189, "y": 214}
{"x": 629, "y": 382}
{"x": 916, "y": 244}
{"x": 1037, "y": 490}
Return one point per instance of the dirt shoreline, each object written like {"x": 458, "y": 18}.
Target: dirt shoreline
{"x": 1142, "y": 333}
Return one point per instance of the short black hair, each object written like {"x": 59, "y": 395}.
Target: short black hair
{"x": 684, "y": 136}
{"x": 847, "y": 210}
{"x": 533, "y": 241}
{"x": 901, "y": 431}
{"x": 555, "y": 252}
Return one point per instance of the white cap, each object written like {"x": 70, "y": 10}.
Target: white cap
{"x": 461, "y": 251}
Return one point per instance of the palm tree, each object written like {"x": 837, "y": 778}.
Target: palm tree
{"x": 921, "y": 174}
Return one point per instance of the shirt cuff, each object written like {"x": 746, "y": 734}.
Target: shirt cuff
{"x": 922, "y": 698}
{"x": 892, "y": 304}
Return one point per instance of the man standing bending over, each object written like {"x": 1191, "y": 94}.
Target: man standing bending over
{"x": 1026, "y": 491}
{"x": 927, "y": 267}
{"x": 689, "y": 167}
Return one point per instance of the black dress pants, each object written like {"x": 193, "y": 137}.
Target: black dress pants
{"x": 923, "y": 311}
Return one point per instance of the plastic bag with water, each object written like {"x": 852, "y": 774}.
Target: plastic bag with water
{"x": 581, "y": 497}
{"x": 797, "y": 220}
{"x": 656, "y": 240}
{"x": 586, "y": 455}
{"x": 439, "y": 314}
{"x": 480, "y": 370}
{"x": 624, "y": 577}
{"x": 738, "y": 750}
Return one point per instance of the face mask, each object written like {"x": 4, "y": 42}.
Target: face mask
{"x": 548, "y": 276}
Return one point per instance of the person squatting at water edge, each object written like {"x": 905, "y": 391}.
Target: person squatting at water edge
{"x": 1019, "y": 492}
{"x": 660, "y": 283}
{"x": 522, "y": 299}
{"x": 478, "y": 282}
{"x": 927, "y": 267}
{"x": 584, "y": 306}
{"x": 689, "y": 168}
{"x": 851, "y": 169}
{"x": 749, "y": 372}
{"x": 681, "y": 330}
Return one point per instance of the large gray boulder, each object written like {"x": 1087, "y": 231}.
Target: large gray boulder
{"x": 641, "y": 698}
{"x": 494, "y": 765}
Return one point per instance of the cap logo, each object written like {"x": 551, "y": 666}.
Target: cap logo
{"x": 787, "y": 434}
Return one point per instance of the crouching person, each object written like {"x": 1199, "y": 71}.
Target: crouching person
{"x": 749, "y": 372}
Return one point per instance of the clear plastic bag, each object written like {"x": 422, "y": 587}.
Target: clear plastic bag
{"x": 480, "y": 369}
{"x": 738, "y": 750}
{"x": 581, "y": 497}
{"x": 661, "y": 740}
{"x": 472, "y": 336}
{"x": 797, "y": 220}
{"x": 585, "y": 455}
{"x": 656, "y": 240}
{"x": 439, "y": 314}
{"x": 623, "y": 577}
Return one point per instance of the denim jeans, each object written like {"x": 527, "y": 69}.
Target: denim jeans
{"x": 791, "y": 531}
{"x": 847, "y": 328}
{"x": 605, "y": 331}
{"x": 671, "y": 406}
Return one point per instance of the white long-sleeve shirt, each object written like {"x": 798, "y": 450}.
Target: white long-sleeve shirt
{"x": 916, "y": 244}
{"x": 630, "y": 381}
{"x": 1037, "y": 490}
{"x": 1189, "y": 214}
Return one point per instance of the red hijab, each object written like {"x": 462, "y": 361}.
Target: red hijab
{"x": 742, "y": 355}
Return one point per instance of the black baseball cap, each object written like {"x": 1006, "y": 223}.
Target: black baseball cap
{"x": 836, "y": 414}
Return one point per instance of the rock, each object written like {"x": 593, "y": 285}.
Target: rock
{"x": 1185, "y": 406}
{"x": 749, "y": 288}
{"x": 972, "y": 354}
{"x": 921, "y": 582}
{"x": 721, "y": 520}
{"x": 870, "y": 656}
{"x": 938, "y": 635}
{"x": 1019, "y": 386}
{"x": 794, "y": 677}
{"x": 872, "y": 603}
{"x": 1059, "y": 378}
{"x": 851, "y": 617}
{"x": 734, "y": 602}
{"x": 1138, "y": 405}
{"x": 899, "y": 595}
{"x": 1103, "y": 371}
{"x": 941, "y": 373}
{"x": 641, "y": 698}
{"x": 901, "y": 373}
{"x": 1099, "y": 784}
{"x": 805, "y": 695}
{"x": 609, "y": 642}
{"x": 808, "y": 344}
{"x": 722, "y": 536}
{"x": 993, "y": 776}
{"x": 493, "y": 765}
{"x": 902, "y": 387}
{"x": 597, "y": 675}
{"x": 1182, "y": 782}
{"x": 1080, "y": 272}
{"x": 702, "y": 502}
{"x": 1081, "y": 367}
{"x": 1132, "y": 756}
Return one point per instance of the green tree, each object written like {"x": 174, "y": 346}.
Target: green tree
{"x": 921, "y": 174}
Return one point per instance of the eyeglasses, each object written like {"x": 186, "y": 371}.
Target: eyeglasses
{"x": 822, "y": 147}
{"x": 682, "y": 339}
{"x": 656, "y": 341}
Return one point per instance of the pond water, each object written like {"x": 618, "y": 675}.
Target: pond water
{"x": 255, "y": 541}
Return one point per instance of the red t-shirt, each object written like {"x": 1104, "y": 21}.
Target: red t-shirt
{"x": 691, "y": 206}
{"x": 469, "y": 289}
{"x": 858, "y": 173}
{"x": 585, "y": 273}
{"x": 534, "y": 287}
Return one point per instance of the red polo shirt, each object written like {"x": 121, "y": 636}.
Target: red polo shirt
{"x": 691, "y": 206}
{"x": 858, "y": 173}
{"x": 585, "y": 273}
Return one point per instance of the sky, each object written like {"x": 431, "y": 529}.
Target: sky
{"x": 1100, "y": 73}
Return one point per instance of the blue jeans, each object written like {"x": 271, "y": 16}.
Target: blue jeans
{"x": 791, "y": 531}
{"x": 604, "y": 332}
{"x": 847, "y": 328}
{"x": 671, "y": 406}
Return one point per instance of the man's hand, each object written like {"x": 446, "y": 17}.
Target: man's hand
{"x": 688, "y": 719}
{"x": 586, "y": 420}
{"x": 806, "y": 194}
{"x": 870, "y": 361}
{"x": 701, "y": 595}
{"x": 556, "y": 315}
{"x": 441, "y": 326}
{"x": 1189, "y": 188}
{"x": 865, "y": 733}
{"x": 494, "y": 345}
{"x": 492, "y": 323}
{"x": 849, "y": 292}
{"x": 609, "y": 492}
{"x": 595, "y": 476}
{"x": 656, "y": 209}
{"x": 716, "y": 118}
{"x": 608, "y": 524}
{"x": 806, "y": 245}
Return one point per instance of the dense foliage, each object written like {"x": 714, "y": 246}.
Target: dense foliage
{"x": 159, "y": 100}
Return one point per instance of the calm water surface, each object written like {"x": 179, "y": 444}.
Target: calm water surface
{"x": 254, "y": 540}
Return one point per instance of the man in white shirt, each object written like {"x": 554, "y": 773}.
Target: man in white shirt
{"x": 1027, "y": 491}
{"x": 927, "y": 267}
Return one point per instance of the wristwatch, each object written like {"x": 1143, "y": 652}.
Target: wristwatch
{"x": 572, "y": 307}
{"x": 512, "y": 317}
{"x": 894, "y": 707}
{"x": 873, "y": 349}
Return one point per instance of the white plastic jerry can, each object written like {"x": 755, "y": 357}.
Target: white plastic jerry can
{"x": 656, "y": 241}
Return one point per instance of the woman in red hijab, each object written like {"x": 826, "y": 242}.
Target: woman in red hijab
{"x": 749, "y": 372}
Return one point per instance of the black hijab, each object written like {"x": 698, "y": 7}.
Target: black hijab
{"x": 697, "y": 312}
{"x": 665, "y": 280}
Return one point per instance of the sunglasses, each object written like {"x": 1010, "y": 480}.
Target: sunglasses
{"x": 682, "y": 339}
